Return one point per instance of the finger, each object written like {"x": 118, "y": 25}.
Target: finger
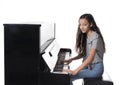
{"x": 65, "y": 63}
{"x": 65, "y": 70}
{"x": 66, "y": 60}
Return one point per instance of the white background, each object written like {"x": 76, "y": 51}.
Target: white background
{"x": 65, "y": 14}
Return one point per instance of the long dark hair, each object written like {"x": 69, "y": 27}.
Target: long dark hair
{"x": 81, "y": 37}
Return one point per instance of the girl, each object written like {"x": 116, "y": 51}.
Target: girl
{"x": 91, "y": 47}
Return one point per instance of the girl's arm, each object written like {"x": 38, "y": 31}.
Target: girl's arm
{"x": 74, "y": 58}
{"x": 84, "y": 64}
{"x": 77, "y": 57}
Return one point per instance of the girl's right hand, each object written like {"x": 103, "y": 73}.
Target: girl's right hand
{"x": 66, "y": 62}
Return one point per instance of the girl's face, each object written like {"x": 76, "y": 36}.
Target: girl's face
{"x": 84, "y": 25}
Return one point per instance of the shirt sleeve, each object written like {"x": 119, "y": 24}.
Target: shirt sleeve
{"x": 94, "y": 43}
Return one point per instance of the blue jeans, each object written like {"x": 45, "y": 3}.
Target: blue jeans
{"x": 96, "y": 71}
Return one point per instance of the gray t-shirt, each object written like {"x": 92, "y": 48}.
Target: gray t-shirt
{"x": 94, "y": 41}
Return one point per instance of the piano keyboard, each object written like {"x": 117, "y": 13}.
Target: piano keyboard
{"x": 60, "y": 64}
{"x": 54, "y": 57}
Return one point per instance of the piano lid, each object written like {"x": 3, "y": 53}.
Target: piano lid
{"x": 46, "y": 32}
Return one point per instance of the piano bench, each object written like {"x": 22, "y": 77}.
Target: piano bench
{"x": 96, "y": 81}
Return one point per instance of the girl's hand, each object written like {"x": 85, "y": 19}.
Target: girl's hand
{"x": 71, "y": 72}
{"x": 67, "y": 61}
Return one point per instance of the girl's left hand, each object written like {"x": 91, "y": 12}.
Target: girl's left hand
{"x": 72, "y": 72}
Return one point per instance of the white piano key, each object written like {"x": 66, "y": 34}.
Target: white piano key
{"x": 60, "y": 72}
{"x": 66, "y": 67}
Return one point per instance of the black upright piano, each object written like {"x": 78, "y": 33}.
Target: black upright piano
{"x": 33, "y": 56}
